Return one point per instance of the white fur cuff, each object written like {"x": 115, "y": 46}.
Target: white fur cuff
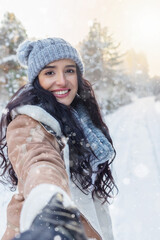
{"x": 36, "y": 201}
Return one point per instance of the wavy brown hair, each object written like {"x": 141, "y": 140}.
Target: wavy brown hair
{"x": 80, "y": 155}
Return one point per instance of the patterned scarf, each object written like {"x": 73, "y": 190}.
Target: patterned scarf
{"x": 98, "y": 142}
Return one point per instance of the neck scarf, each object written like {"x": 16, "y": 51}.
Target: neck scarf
{"x": 98, "y": 142}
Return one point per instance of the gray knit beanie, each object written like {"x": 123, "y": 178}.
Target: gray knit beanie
{"x": 37, "y": 54}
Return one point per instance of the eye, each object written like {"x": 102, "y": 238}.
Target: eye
{"x": 70, "y": 70}
{"x": 49, "y": 73}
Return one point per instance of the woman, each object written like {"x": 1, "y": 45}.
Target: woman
{"x": 57, "y": 142}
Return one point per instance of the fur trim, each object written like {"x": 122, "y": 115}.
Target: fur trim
{"x": 38, "y": 114}
{"x": 37, "y": 200}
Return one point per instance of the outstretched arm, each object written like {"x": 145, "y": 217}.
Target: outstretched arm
{"x": 55, "y": 222}
{"x": 36, "y": 159}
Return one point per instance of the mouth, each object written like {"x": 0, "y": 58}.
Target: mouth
{"x": 61, "y": 93}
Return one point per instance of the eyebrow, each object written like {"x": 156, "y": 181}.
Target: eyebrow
{"x": 56, "y": 66}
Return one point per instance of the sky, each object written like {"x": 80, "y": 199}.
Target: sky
{"x": 133, "y": 23}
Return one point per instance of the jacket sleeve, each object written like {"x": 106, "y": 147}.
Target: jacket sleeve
{"x": 36, "y": 159}
{"x": 35, "y": 155}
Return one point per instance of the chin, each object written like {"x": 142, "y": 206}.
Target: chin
{"x": 67, "y": 103}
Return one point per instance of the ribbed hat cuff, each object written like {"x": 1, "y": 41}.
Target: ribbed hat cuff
{"x": 50, "y": 54}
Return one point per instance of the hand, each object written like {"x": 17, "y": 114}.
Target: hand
{"x": 64, "y": 221}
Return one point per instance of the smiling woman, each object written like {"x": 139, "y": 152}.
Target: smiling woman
{"x": 60, "y": 78}
{"x": 59, "y": 149}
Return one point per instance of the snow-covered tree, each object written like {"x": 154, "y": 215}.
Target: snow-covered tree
{"x": 12, "y": 33}
{"x": 136, "y": 66}
{"x": 135, "y": 62}
{"x": 100, "y": 54}
{"x": 154, "y": 85}
{"x": 102, "y": 66}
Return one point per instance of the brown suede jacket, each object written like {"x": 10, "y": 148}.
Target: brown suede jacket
{"x": 32, "y": 147}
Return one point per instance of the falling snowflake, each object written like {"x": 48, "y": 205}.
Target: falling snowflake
{"x": 58, "y": 237}
{"x": 5, "y": 111}
{"x": 126, "y": 181}
{"x": 141, "y": 170}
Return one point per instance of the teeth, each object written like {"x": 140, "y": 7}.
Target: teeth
{"x": 61, "y": 92}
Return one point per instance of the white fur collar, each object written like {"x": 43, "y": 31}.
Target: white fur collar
{"x": 38, "y": 114}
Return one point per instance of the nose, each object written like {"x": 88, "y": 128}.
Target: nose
{"x": 61, "y": 79}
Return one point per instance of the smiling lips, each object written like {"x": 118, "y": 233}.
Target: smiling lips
{"x": 61, "y": 93}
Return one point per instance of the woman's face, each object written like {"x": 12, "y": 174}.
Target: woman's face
{"x": 60, "y": 78}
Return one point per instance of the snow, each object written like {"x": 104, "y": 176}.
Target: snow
{"x": 8, "y": 58}
{"x": 135, "y": 130}
{"x": 5, "y": 197}
{"x": 135, "y": 211}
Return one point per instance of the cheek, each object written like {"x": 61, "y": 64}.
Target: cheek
{"x": 76, "y": 84}
{"x": 44, "y": 84}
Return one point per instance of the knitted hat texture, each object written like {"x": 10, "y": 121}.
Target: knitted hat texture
{"x": 37, "y": 54}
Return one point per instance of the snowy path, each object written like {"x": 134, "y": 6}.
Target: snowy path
{"x": 135, "y": 130}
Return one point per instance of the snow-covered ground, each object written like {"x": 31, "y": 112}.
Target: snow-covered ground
{"x": 135, "y": 130}
{"x": 135, "y": 212}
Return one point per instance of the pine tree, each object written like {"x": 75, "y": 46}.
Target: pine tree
{"x": 12, "y": 33}
{"x": 99, "y": 53}
{"x": 136, "y": 65}
{"x": 102, "y": 62}
{"x": 154, "y": 86}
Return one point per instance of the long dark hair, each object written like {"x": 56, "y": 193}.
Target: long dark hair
{"x": 80, "y": 155}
